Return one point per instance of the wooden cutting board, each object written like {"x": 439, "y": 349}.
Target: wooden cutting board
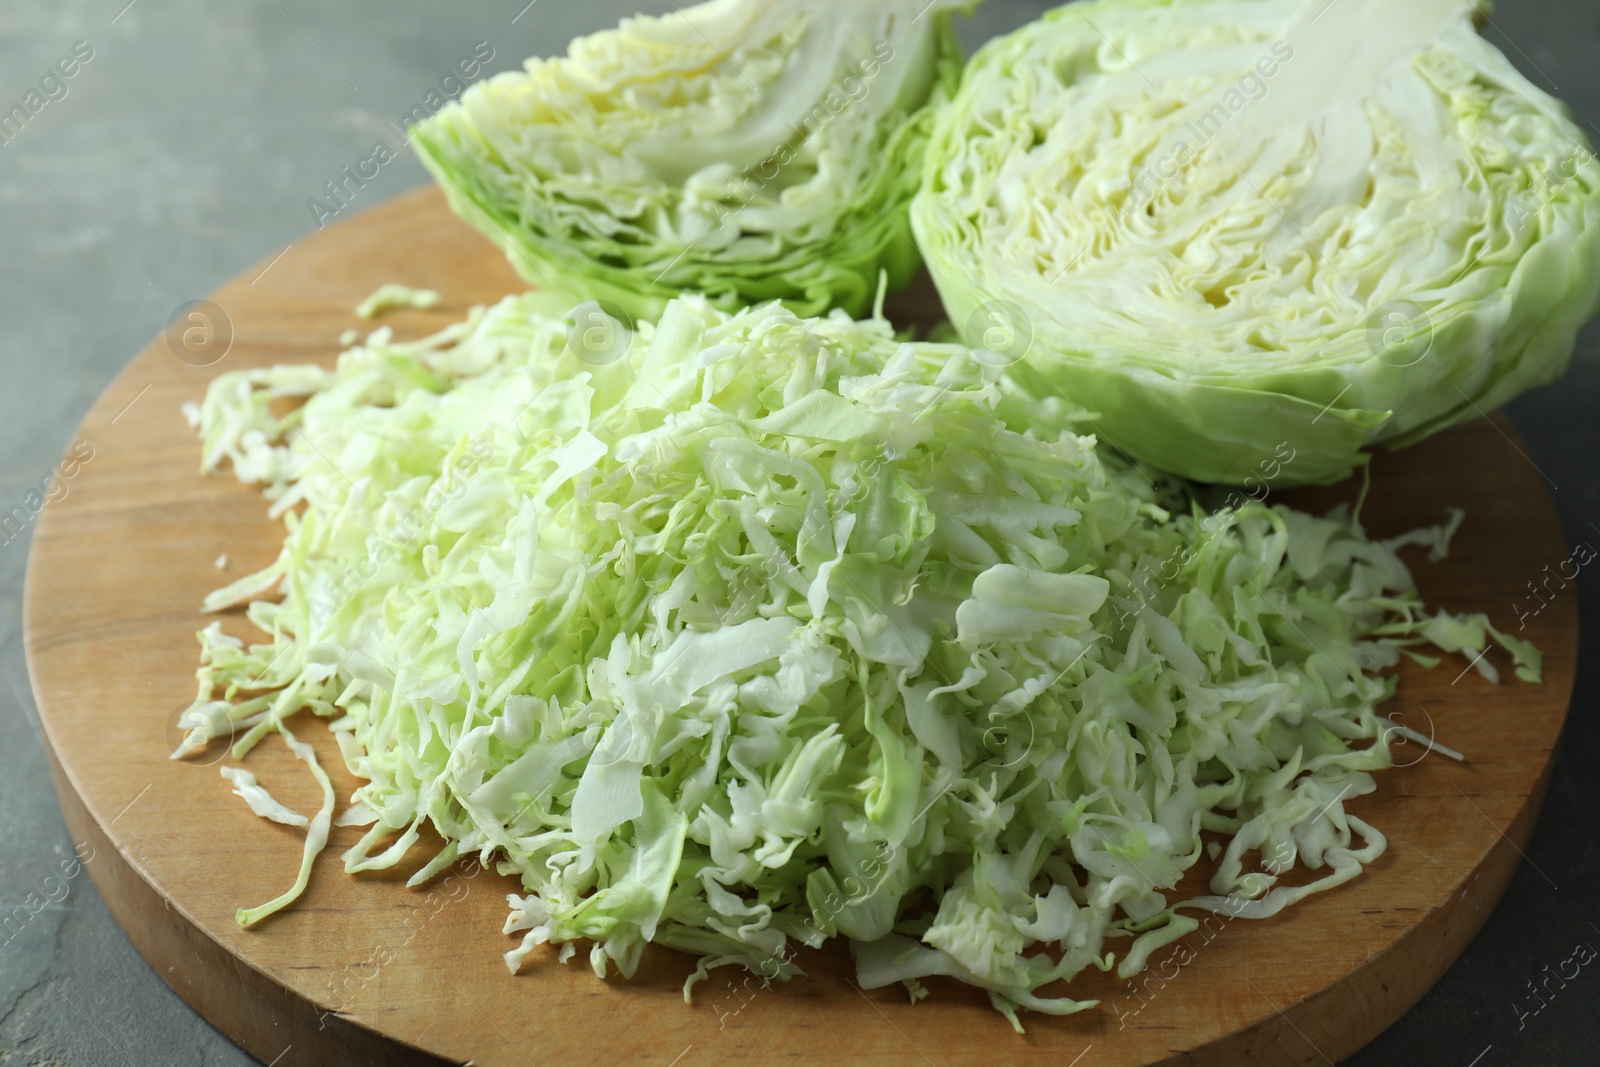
{"x": 367, "y": 971}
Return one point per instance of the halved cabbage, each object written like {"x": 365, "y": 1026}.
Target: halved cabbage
{"x": 1253, "y": 237}
{"x": 743, "y": 632}
{"x": 749, "y": 150}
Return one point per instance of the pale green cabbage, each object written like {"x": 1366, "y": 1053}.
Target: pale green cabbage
{"x": 754, "y": 630}
{"x": 1235, "y": 231}
{"x": 749, "y": 150}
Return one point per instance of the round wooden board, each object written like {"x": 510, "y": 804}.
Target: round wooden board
{"x": 367, "y": 971}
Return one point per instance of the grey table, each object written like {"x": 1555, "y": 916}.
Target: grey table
{"x": 186, "y": 148}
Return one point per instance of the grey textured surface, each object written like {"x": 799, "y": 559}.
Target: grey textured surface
{"x": 186, "y": 149}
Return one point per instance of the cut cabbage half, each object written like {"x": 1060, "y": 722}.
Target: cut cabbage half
{"x": 766, "y": 630}
{"x": 749, "y": 150}
{"x": 1250, "y": 238}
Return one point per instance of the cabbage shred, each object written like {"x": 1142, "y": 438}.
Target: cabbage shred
{"x": 771, "y": 631}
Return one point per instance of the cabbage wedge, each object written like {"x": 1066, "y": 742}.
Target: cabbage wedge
{"x": 749, "y": 150}
{"x": 1251, "y": 238}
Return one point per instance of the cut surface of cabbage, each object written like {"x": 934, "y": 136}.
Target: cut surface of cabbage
{"x": 1233, "y": 231}
{"x": 749, "y": 150}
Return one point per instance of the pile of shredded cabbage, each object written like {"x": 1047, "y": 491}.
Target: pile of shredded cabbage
{"x": 757, "y": 630}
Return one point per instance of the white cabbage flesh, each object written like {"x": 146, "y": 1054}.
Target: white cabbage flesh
{"x": 1236, "y": 231}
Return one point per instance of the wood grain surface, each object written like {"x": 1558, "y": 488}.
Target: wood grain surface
{"x": 364, "y": 970}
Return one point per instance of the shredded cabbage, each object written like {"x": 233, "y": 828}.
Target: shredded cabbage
{"x": 1250, "y": 238}
{"x": 395, "y": 296}
{"x": 769, "y": 630}
{"x": 261, "y": 802}
{"x": 749, "y": 150}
